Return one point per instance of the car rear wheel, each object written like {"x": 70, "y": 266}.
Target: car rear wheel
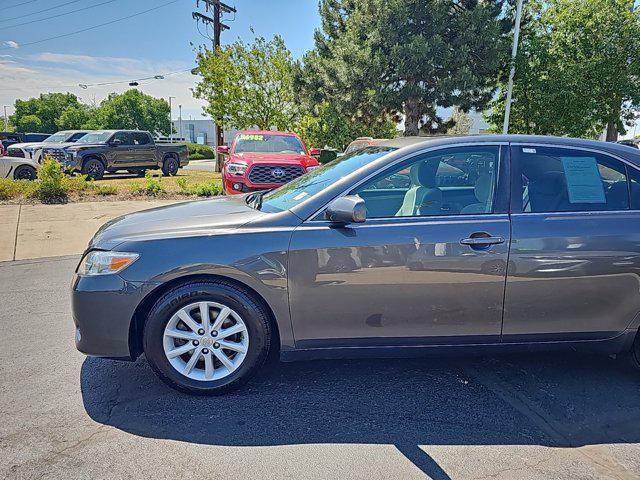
{"x": 170, "y": 166}
{"x": 206, "y": 337}
{"x": 25, "y": 172}
{"x": 93, "y": 169}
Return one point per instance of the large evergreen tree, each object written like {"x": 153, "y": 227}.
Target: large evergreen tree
{"x": 377, "y": 57}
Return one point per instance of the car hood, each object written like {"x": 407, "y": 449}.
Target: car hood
{"x": 270, "y": 158}
{"x": 23, "y": 145}
{"x": 200, "y": 217}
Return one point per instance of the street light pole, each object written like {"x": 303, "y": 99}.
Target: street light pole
{"x": 170, "y": 122}
{"x": 6, "y": 119}
{"x": 514, "y": 53}
{"x": 180, "y": 121}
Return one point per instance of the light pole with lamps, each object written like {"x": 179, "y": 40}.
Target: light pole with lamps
{"x": 170, "y": 122}
{"x": 514, "y": 53}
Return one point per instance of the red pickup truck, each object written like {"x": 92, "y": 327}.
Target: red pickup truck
{"x": 260, "y": 160}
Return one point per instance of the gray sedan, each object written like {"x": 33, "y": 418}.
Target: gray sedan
{"x": 409, "y": 247}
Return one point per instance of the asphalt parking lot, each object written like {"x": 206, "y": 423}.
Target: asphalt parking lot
{"x": 66, "y": 416}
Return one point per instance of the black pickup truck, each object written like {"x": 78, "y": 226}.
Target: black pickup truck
{"x": 111, "y": 150}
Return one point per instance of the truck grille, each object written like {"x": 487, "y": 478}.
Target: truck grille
{"x": 55, "y": 153}
{"x": 274, "y": 174}
{"x": 15, "y": 152}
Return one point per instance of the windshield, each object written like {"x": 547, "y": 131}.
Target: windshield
{"x": 95, "y": 137}
{"x": 58, "y": 137}
{"x": 266, "y": 143}
{"x": 312, "y": 183}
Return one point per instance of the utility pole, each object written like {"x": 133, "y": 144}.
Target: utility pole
{"x": 170, "y": 122}
{"x": 218, "y": 9}
{"x": 514, "y": 53}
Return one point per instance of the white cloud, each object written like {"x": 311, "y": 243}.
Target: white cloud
{"x": 54, "y": 72}
{"x": 11, "y": 44}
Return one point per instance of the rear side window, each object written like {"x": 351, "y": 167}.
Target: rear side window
{"x": 568, "y": 180}
{"x": 140, "y": 138}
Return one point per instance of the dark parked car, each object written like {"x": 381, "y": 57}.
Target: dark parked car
{"x": 490, "y": 242}
{"x": 112, "y": 150}
{"x": 10, "y": 138}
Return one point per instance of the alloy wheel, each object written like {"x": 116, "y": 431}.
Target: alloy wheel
{"x": 206, "y": 341}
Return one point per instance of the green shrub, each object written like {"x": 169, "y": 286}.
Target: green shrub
{"x": 10, "y": 188}
{"x": 182, "y": 183}
{"x": 199, "y": 152}
{"x": 153, "y": 185}
{"x": 106, "y": 190}
{"x": 207, "y": 189}
{"x": 79, "y": 183}
{"x": 52, "y": 186}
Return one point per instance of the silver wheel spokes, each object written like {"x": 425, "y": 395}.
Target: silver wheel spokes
{"x": 206, "y": 341}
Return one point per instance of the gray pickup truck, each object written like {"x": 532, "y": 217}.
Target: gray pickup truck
{"x": 112, "y": 150}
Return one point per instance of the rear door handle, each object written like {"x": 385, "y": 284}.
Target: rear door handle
{"x": 481, "y": 241}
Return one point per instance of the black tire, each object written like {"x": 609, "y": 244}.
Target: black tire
{"x": 25, "y": 172}
{"x": 93, "y": 168}
{"x": 170, "y": 166}
{"x": 255, "y": 317}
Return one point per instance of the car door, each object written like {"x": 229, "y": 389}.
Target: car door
{"x": 415, "y": 272}
{"x": 143, "y": 150}
{"x": 122, "y": 154}
{"x": 574, "y": 260}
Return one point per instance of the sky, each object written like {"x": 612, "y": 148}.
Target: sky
{"x": 157, "y": 42}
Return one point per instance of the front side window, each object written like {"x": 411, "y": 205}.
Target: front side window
{"x": 124, "y": 138}
{"x": 267, "y": 143}
{"x": 452, "y": 181}
{"x": 309, "y": 184}
{"x": 568, "y": 180}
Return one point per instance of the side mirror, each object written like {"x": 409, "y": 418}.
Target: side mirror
{"x": 223, "y": 149}
{"x": 116, "y": 142}
{"x": 327, "y": 156}
{"x": 347, "y": 209}
{"x": 314, "y": 152}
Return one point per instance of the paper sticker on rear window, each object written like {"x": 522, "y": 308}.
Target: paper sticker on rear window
{"x": 251, "y": 136}
{"x": 583, "y": 180}
{"x": 528, "y": 150}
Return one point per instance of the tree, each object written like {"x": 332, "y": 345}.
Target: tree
{"x": 325, "y": 126}
{"x": 376, "y": 57}
{"x": 461, "y": 122}
{"x": 248, "y": 85}
{"x": 579, "y": 71}
{"x": 47, "y": 108}
{"x": 75, "y": 118}
{"x": 131, "y": 110}
{"x": 30, "y": 123}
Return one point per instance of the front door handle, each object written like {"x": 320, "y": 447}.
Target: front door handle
{"x": 481, "y": 241}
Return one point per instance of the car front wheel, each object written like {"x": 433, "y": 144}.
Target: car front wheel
{"x": 25, "y": 172}
{"x": 206, "y": 337}
{"x": 93, "y": 169}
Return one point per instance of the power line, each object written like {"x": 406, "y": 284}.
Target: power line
{"x": 94, "y": 26}
{"x": 41, "y": 11}
{"x": 19, "y": 4}
{"x": 59, "y": 15}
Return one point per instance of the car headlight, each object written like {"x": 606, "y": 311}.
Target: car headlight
{"x": 105, "y": 263}
{"x": 236, "y": 168}
{"x": 313, "y": 167}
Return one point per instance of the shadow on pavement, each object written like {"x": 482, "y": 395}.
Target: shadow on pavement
{"x": 558, "y": 401}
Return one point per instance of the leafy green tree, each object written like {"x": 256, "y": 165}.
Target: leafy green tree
{"x": 328, "y": 127}
{"x": 578, "y": 72}
{"x": 376, "y": 57}
{"x": 248, "y": 85}
{"x": 131, "y": 110}
{"x": 47, "y": 108}
{"x": 74, "y": 118}
{"x": 30, "y": 123}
